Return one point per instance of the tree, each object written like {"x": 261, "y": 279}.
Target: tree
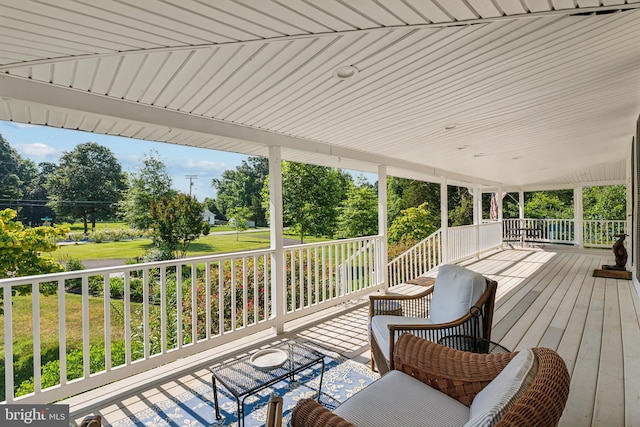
{"x": 548, "y": 204}
{"x": 460, "y": 202}
{"x": 34, "y": 206}
{"x": 16, "y": 175}
{"x": 358, "y": 214}
{"x": 311, "y": 196}
{"x": 238, "y": 218}
{"x": 88, "y": 183}
{"x": 242, "y": 188}
{"x": 151, "y": 182}
{"x": 608, "y": 202}
{"x": 21, "y": 247}
{"x": 413, "y": 224}
{"x": 176, "y": 221}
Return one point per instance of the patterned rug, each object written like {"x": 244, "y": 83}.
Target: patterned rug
{"x": 342, "y": 378}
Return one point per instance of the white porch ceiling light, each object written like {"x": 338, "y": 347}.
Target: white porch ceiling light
{"x": 345, "y": 73}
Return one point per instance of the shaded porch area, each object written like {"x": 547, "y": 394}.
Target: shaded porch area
{"x": 546, "y": 297}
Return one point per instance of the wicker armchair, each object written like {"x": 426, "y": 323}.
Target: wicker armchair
{"x": 392, "y": 315}
{"x": 460, "y": 375}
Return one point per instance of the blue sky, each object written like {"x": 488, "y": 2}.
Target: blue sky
{"x": 47, "y": 144}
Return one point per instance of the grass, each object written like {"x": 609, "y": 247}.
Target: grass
{"x": 23, "y": 321}
{"x": 205, "y": 245}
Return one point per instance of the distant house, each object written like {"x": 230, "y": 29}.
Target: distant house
{"x": 209, "y": 217}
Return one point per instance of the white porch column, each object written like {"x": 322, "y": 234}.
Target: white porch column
{"x": 477, "y": 215}
{"x": 383, "y": 259}
{"x": 278, "y": 287}
{"x": 578, "y": 217}
{"x": 500, "y": 216}
{"x": 521, "y": 207}
{"x": 444, "y": 221}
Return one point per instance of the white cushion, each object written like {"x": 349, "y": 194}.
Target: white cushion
{"x": 398, "y": 399}
{"x": 456, "y": 290}
{"x": 490, "y": 405}
{"x": 380, "y": 329}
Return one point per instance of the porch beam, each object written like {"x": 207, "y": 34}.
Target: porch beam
{"x": 58, "y": 97}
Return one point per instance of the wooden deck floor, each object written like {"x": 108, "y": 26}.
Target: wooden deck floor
{"x": 546, "y": 297}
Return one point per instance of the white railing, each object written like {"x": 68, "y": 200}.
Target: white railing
{"x": 471, "y": 240}
{"x": 120, "y": 321}
{"x": 602, "y": 233}
{"x": 595, "y": 233}
{"x": 463, "y": 242}
{"x": 416, "y": 261}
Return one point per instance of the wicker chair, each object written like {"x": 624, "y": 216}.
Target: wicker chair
{"x": 460, "y": 375}
{"x": 413, "y": 313}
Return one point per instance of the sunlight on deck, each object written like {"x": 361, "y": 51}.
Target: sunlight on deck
{"x": 546, "y": 297}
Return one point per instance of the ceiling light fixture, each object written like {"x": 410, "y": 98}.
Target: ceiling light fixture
{"x": 345, "y": 73}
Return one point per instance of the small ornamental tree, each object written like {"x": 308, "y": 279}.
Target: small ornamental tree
{"x": 239, "y": 218}
{"x": 412, "y": 224}
{"x": 21, "y": 247}
{"x": 176, "y": 222}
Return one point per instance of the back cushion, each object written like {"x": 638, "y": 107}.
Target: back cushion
{"x": 490, "y": 405}
{"x": 456, "y": 290}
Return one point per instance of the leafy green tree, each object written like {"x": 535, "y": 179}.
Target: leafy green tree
{"x": 311, "y": 197}
{"x": 242, "y": 188}
{"x": 176, "y": 222}
{"x": 88, "y": 183}
{"x": 21, "y": 247}
{"x": 34, "y": 206}
{"x": 358, "y": 212}
{"x": 548, "y": 204}
{"x": 16, "y": 175}
{"x": 608, "y": 202}
{"x": 151, "y": 182}
{"x": 414, "y": 223}
{"x": 238, "y": 218}
{"x": 460, "y": 206}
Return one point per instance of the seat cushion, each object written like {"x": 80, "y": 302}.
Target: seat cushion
{"x": 456, "y": 290}
{"x": 380, "y": 330}
{"x": 490, "y": 405}
{"x": 398, "y": 399}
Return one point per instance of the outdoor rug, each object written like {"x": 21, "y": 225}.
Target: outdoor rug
{"x": 342, "y": 378}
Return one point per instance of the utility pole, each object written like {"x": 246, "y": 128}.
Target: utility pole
{"x": 191, "y": 178}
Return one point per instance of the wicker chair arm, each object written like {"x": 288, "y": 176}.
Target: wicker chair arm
{"x": 309, "y": 413}
{"x": 544, "y": 401}
{"x": 401, "y": 299}
{"x": 458, "y": 374}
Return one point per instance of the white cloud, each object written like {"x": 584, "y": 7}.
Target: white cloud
{"x": 22, "y": 125}
{"x": 205, "y": 165}
{"x": 38, "y": 151}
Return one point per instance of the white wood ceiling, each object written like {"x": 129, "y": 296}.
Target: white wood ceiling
{"x": 539, "y": 92}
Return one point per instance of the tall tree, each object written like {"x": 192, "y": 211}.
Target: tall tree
{"x": 241, "y": 188}
{"x": 151, "y": 182}
{"x": 34, "y": 209}
{"x": 549, "y": 204}
{"x": 177, "y": 221}
{"x": 311, "y": 197}
{"x": 88, "y": 183}
{"x": 16, "y": 175}
{"x": 358, "y": 214}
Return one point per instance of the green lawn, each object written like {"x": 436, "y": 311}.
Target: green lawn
{"x": 205, "y": 245}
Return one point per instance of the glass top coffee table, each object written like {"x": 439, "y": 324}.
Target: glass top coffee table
{"x": 243, "y": 379}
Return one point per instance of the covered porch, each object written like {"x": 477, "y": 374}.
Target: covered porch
{"x": 546, "y": 297}
{"x": 490, "y": 95}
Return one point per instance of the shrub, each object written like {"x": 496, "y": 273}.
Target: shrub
{"x": 206, "y": 228}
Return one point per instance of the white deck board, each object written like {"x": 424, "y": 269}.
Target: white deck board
{"x": 546, "y": 297}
